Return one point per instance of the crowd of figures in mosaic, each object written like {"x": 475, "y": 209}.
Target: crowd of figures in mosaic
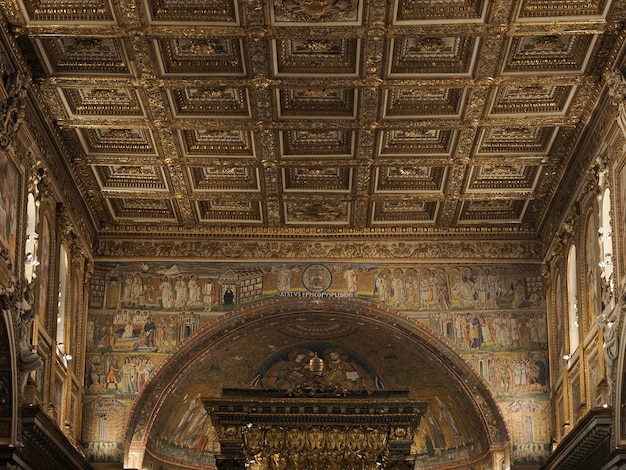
{"x": 140, "y": 312}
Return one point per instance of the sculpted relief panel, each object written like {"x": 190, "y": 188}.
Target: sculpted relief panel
{"x": 141, "y": 311}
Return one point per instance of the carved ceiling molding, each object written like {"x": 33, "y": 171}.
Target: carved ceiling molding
{"x": 349, "y": 249}
{"x": 165, "y": 380}
{"x": 336, "y": 114}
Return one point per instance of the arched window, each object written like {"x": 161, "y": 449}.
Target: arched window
{"x": 62, "y": 303}
{"x": 30, "y": 247}
{"x": 605, "y": 241}
{"x": 572, "y": 300}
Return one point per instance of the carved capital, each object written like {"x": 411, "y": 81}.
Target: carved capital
{"x": 12, "y": 109}
{"x": 617, "y": 86}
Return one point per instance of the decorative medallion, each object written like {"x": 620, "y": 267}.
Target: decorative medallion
{"x": 316, "y": 278}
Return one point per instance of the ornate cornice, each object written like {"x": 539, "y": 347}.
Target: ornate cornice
{"x": 407, "y": 250}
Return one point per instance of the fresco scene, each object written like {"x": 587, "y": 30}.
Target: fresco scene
{"x": 493, "y": 316}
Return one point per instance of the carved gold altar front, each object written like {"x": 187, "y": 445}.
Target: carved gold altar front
{"x": 263, "y": 432}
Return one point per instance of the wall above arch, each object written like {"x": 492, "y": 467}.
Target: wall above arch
{"x": 254, "y": 351}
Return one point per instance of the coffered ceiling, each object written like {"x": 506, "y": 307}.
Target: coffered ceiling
{"x": 337, "y": 115}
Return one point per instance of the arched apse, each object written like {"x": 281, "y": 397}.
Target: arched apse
{"x": 389, "y": 352}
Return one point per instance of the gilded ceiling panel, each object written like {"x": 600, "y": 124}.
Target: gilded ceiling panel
{"x": 517, "y": 140}
{"x": 423, "y": 102}
{"x": 178, "y": 11}
{"x": 566, "y": 53}
{"x": 432, "y": 55}
{"x": 326, "y": 55}
{"x": 530, "y": 99}
{"x": 316, "y": 210}
{"x": 230, "y": 208}
{"x": 102, "y": 101}
{"x": 390, "y": 113}
{"x": 492, "y": 210}
{"x": 130, "y": 177}
{"x": 205, "y": 101}
{"x": 84, "y": 55}
{"x": 562, "y": 8}
{"x": 317, "y": 102}
{"x": 341, "y": 12}
{"x": 69, "y": 10}
{"x": 200, "y": 56}
{"x": 410, "y": 178}
{"x": 231, "y": 177}
{"x": 129, "y": 209}
{"x": 228, "y": 143}
{"x": 416, "y": 142}
{"x": 404, "y": 210}
{"x": 503, "y": 177}
{"x": 113, "y": 140}
{"x": 325, "y": 179}
{"x": 440, "y": 10}
{"x": 318, "y": 142}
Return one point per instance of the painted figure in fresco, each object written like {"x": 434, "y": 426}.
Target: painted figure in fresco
{"x": 339, "y": 371}
{"x": 194, "y": 291}
{"x": 229, "y": 296}
{"x": 443, "y": 292}
{"x": 380, "y": 287}
{"x": 207, "y": 295}
{"x": 476, "y": 333}
{"x": 185, "y": 418}
{"x": 149, "y": 329}
{"x": 167, "y": 296}
{"x": 397, "y": 290}
{"x": 181, "y": 293}
{"x": 136, "y": 290}
{"x": 113, "y": 374}
{"x": 445, "y": 415}
{"x": 287, "y": 374}
{"x": 284, "y": 279}
{"x": 434, "y": 428}
{"x": 128, "y": 373}
{"x": 127, "y": 290}
{"x": 465, "y": 290}
{"x": 351, "y": 280}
